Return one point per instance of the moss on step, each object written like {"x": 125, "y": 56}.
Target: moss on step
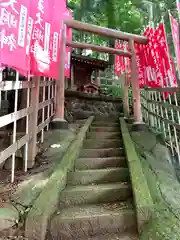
{"x": 142, "y": 195}
{"x": 9, "y": 216}
{"x": 45, "y": 204}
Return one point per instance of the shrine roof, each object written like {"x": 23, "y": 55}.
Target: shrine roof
{"x": 89, "y": 61}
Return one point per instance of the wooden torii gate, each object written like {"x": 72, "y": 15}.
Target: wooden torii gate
{"x": 59, "y": 121}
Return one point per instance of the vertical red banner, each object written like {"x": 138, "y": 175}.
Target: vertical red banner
{"x": 140, "y": 67}
{"x": 119, "y": 60}
{"x": 165, "y": 56}
{"x": 59, "y": 9}
{"x": 13, "y": 32}
{"x": 175, "y": 35}
{"x": 40, "y": 12}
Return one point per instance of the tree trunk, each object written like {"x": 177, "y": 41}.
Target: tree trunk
{"x": 112, "y": 23}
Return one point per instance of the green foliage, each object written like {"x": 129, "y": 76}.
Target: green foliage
{"x": 125, "y": 15}
{"x": 122, "y": 15}
{"x": 114, "y": 89}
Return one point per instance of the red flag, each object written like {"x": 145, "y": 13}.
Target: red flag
{"x": 56, "y": 36}
{"x": 175, "y": 35}
{"x": 149, "y": 59}
{"x": 140, "y": 65}
{"x": 40, "y": 49}
{"x": 13, "y": 32}
{"x": 119, "y": 60}
{"x": 164, "y": 53}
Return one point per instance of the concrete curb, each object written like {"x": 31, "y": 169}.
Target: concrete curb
{"x": 45, "y": 204}
{"x": 143, "y": 200}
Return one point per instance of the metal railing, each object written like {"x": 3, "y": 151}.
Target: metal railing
{"x": 161, "y": 111}
{"x": 31, "y": 102}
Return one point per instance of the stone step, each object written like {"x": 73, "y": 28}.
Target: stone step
{"x": 100, "y": 163}
{"x": 104, "y": 128}
{"x": 104, "y": 153}
{"x": 116, "y": 236}
{"x": 103, "y": 135}
{"x": 105, "y": 123}
{"x": 91, "y": 220}
{"x": 105, "y": 143}
{"x": 104, "y": 119}
{"x": 95, "y": 194}
{"x": 98, "y": 176}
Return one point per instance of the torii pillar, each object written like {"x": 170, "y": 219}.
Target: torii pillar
{"x": 138, "y": 124}
{"x": 59, "y": 122}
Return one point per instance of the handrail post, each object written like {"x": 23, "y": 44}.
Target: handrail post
{"x": 33, "y": 123}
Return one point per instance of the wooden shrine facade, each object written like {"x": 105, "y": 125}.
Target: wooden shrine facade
{"x": 82, "y": 68}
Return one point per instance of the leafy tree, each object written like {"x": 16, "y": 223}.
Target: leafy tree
{"x": 125, "y": 15}
{"x": 115, "y": 14}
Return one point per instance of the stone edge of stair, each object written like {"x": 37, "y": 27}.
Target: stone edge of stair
{"x": 142, "y": 196}
{"x": 24, "y": 196}
{"x": 37, "y": 218}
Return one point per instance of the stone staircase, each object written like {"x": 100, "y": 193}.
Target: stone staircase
{"x": 97, "y": 203}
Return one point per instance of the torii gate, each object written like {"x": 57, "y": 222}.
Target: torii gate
{"x": 59, "y": 121}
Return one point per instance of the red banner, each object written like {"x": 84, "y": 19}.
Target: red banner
{"x": 164, "y": 51}
{"x": 30, "y": 35}
{"x": 175, "y": 35}
{"x": 119, "y": 60}
{"x": 13, "y": 32}
{"x": 57, "y": 24}
{"x": 140, "y": 64}
{"x": 150, "y": 62}
{"x": 153, "y": 60}
{"x": 41, "y": 12}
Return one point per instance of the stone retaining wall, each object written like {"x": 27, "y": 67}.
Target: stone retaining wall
{"x": 163, "y": 185}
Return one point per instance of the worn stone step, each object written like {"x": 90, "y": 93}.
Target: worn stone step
{"x": 100, "y": 163}
{"x": 98, "y": 176}
{"x": 103, "y": 135}
{"x": 105, "y": 143}
{"x": 102, "y": 118}
{"x": 105, "y": 123}
{"x": 114, "y": 236}
{"x": 95, "y": 194}
{"x": 97, "y": 153}
{"x": 90, "y": 220}
{"x": 105, "y": 128}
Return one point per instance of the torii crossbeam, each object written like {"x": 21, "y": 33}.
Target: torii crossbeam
{"x": 59, "y": 121}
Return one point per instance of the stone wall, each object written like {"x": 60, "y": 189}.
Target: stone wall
{"x": 164, "y": 187}
{"x": 81, "y": 107}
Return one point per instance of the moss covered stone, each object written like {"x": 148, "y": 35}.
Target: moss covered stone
{"x": 142, "y": 196}
{"x": 163, "y": 185}
{"x": 45, "y": 204}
